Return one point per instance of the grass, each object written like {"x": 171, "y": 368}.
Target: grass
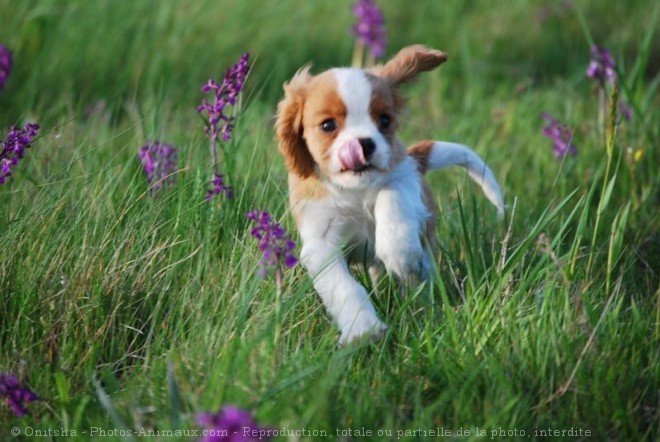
{"x": 127, "y": 312}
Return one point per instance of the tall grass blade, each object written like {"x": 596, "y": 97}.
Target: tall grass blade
{"x": 107, "y": 405}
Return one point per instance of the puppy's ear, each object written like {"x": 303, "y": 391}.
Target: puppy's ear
{"x": 408, "y": 63}
{"x": 289, "y": 126}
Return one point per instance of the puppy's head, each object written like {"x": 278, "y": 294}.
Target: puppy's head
{"x": 341, "y": 124}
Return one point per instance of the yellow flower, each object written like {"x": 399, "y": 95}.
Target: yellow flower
{"x": 634, "y": 156}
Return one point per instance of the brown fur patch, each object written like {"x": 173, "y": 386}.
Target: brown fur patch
{"x": 289, "y": 125}
{"x": 387, "y": 100}
{"x": 420, "y": 152}
{"x": 323, "y": 102}
{"x": 302, "y": 142}
{"x": 408, "y": 63}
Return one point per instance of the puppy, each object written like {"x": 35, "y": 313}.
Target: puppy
{"x": 357, "y": 194}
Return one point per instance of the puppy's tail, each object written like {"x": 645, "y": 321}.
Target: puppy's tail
{"x": 432, "y": 155}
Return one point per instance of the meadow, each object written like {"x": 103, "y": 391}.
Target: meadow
{"x": 128, "y": 311}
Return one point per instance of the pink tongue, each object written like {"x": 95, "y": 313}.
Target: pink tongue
{"x": 351, "y": 156}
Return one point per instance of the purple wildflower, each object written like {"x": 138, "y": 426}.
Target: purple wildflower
{"x": 601, "y": 66}
{"x": 231, "y": 424}
{"x": 5, "y": 65}
{"x": 561, "y": 136}
{"x": 16, "y": 395}
{"x": 219, "y": 187}
{"x": 370, "y": 28}
{"x": 602, "y": 70}
{"x": 625, "y": 111}
{"x": 160, "y": 163}
{"x": 12, "y": 149}
{"x": 275, "y": 244}
{"x": 224, "y": 94}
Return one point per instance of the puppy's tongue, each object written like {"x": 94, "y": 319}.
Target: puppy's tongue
{"x": 351, "y": 156}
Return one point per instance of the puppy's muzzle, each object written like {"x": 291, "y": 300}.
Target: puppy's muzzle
{"x": 354, "y": 155}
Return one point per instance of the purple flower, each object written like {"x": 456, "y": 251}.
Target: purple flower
{"x": 625, "y": 111}
{"x": 602, "y": 70}
{"x": 160, "y": 163}
{"x": 224, "y": 94}
{"x": 219, "y": 187}
{"x": 370, "y": 27}
{"x": 561, "y": 136}
{"x": 601, "y": 66}
{"x": 5, "y": 65}
{"x": 13, "y": 148}
{"x": 16, "y": 395}
{"x": 231, "y": 424}
{"x": 275, "y": 244}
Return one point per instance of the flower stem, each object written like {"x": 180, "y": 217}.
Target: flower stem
{"x": 371, "y": 60}
{"x": 602, "y": 109}
{"x": 358, "y": 54}
{"x": 278, "y": 305}
{"x": 605, "y": 193}
{"x": 214, "y": 149}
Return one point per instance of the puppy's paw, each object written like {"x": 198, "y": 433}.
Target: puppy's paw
{"x": 411, "y": 265}
{"x": 363, "y": 327}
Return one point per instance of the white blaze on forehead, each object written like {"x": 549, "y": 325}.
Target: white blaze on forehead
{"x": 355, "y": 90}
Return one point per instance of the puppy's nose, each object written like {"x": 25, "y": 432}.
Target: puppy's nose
{"x": 368, "y": 146}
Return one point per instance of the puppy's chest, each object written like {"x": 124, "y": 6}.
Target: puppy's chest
{"x": 358, "y": 231}
{"x": 355, "y": 219}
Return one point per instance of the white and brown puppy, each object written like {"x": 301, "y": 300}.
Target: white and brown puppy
{"x": 356, "y": 192}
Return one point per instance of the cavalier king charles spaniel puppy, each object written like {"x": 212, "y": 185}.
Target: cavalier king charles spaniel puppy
{"x": 357, "y": 194}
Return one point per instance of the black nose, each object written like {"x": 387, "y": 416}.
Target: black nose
{"x": 368, "y": 146}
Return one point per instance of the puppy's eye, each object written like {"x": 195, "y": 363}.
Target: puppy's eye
{"x": 384, "y": 121}
{"x": 329, "y": 125}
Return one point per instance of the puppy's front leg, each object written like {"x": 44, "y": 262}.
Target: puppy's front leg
{"x": 344, "y": 298}
{"x": 400, "y": 214}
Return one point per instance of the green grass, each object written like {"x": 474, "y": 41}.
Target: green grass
{"x": 126, "y": 311}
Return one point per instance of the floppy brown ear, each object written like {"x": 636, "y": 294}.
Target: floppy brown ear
{"x": 408, "y": 63}
{"x": 289, "y": 127}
